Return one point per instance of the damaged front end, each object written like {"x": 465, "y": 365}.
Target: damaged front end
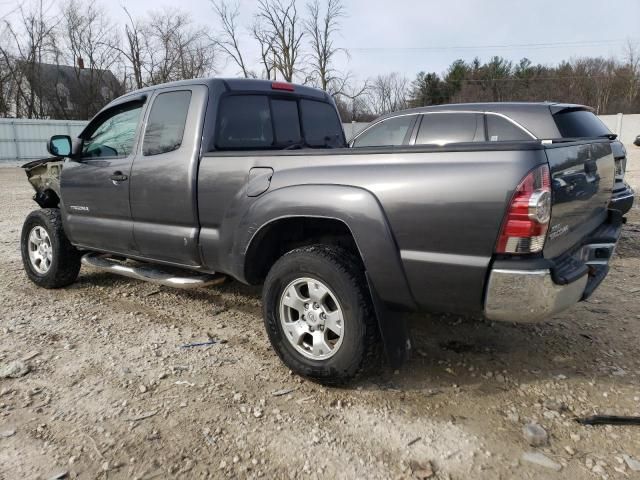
{"x": 44, "y": 177}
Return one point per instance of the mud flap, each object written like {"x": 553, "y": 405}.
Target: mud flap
{"x": 394, "y": 330}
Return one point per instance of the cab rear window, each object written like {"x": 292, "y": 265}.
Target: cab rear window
{"x": 244, "y": 121}
{"x": 264, "y": 122}
{"x": 579, "y": 123}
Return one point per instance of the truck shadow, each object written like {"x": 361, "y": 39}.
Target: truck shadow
{"x": 491, "y": 357}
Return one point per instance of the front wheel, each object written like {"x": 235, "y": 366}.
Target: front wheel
{"x": 49, "y": 259}
{"x": 318, "y": 314}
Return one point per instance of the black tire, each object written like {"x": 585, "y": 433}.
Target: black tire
{"x": 344, "y": 276}
{"x": 65, "y": 262}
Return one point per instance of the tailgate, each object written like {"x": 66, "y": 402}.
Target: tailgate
{"x": 582, "y": 179}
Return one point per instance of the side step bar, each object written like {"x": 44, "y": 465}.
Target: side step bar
{"x": 153, "y": 273}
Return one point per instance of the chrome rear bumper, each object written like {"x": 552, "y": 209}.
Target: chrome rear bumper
{"x": 529, "y": 295}
{"x": 532, "y": 295}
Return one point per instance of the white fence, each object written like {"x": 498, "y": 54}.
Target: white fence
{"x": 630, "y": 126}
{"x": 353, "y": 128}
{"x": 24, "y": 140}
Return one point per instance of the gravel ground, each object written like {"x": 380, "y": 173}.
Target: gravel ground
{"x": 110, "y": 393}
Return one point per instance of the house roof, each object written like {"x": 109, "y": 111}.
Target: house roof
{"x": 81, "y": 87}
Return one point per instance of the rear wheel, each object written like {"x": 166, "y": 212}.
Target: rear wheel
{"x": 318, "y": 314}
{"x": 49, "y": 259}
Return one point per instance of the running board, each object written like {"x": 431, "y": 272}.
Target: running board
{"x": 153, "y": 273}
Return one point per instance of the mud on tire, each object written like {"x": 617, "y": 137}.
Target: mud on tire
{"x": 64, "y": 263}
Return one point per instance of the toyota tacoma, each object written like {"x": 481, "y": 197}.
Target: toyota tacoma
{"x": 186, "y": 184}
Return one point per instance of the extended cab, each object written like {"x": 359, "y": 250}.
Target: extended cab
{"x": 187, "y": 183}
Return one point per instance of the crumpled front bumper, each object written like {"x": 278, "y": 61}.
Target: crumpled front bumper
{"x": 528, "y": 293}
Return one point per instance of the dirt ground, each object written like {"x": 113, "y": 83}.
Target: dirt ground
{"x": 110, "y": 393}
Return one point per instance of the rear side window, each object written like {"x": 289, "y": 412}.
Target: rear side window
{"x": 244, "y": 121}
{"x": 386, "y": 133}
{"x": 500, "y": 129}
{"x": 579, "y": 123}
{"x": 443, "y": 128}
{"x": 322, "y": 127}
{"x": 165, "y": 127}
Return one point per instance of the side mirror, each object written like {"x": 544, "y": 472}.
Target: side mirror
{"x": 59, "y": 145}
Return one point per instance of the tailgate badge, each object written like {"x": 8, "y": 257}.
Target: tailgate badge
{"x": 557, "y": 231}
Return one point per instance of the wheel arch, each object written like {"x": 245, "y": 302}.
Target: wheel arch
{"x": 47, "y": 198}
{"x": 280, "y": 235}
{"x": 352, "y": 212}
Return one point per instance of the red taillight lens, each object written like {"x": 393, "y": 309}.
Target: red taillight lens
{"x": 288, "y": 87}
{"x": 525, "y": 225}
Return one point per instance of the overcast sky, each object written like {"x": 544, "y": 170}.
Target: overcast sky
{"x": 407, "y": 36}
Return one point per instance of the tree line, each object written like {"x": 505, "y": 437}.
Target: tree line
{"x": 295, "y": 41}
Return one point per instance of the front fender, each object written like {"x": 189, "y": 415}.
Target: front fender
{"x": 358, "y": 209}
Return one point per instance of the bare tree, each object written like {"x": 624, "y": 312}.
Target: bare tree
{"x": 160, "y": 44}
{"x": 229, "y": 39}
{"x": 352, "y": 102}
{"x": 91, "y": 45}
{"x": 632, "y": 65}
{"x": 176, "y": 49}
{"x": 388, "y": 93}
{"x": 279, "y": 21}
{"x": 266, "y": 41}
{"x": 321, "y": 29}
{"x": 28, "y": 41}
{"x": 134, "y": 51}
{"x": 603, "y": 74}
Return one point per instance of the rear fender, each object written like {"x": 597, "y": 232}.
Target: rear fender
{"x": 361, "y": 212}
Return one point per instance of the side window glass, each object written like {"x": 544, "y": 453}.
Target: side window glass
{"x": 244, "y": 122}
{"x": 165, "y": 127}
{"x": 286, "y": 122}
{"x": 115, "y": 135}
{"x": 502, "y": 130}
{"x": 388, "y": 132}
{"x": 443, "y": 128}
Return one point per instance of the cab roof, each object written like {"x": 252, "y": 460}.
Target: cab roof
{"x": 233, "y": 84}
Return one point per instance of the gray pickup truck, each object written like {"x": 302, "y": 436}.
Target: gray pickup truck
{"x": 188, "y": 183}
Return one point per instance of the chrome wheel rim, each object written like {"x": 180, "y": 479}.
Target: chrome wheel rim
{"x": 311, "y": 318}
{"x": 40, "y": 250}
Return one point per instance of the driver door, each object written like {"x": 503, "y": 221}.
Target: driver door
{"x": 95, "y": 183}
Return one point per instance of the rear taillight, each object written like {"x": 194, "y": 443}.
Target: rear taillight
{"x": 525, "y": 224}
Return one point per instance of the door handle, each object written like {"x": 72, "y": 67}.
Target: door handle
{"x": 118, "y": 176}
